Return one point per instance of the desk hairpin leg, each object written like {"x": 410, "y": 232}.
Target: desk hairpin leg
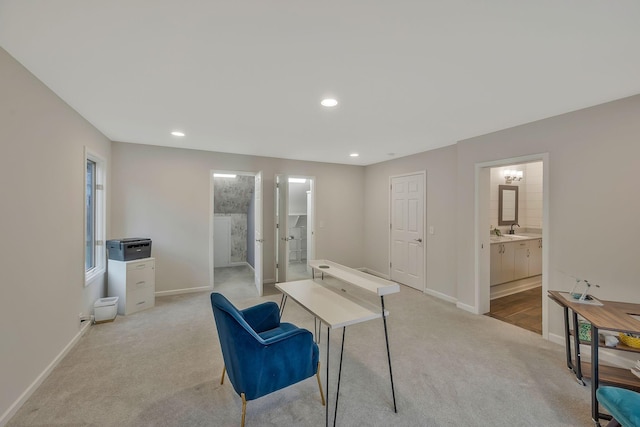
{"x": 283, "y": 301}
{"x": 326, "y": 408}
{"x": 386, "y": 337}
{"x": 335, "y": 410}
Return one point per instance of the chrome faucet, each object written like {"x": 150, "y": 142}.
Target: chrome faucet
{"x": 511, "y": 229}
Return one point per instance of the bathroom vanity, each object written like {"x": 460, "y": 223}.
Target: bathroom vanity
{"x": 515, "y": 257}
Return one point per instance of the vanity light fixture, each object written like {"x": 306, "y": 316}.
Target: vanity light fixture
{"x": 329, "y": 102}
{"x": 177, "y": 133}
{"x": 224, "y": 175}
{"x": 354, "y": 155}
{"x": 512, "y": 175}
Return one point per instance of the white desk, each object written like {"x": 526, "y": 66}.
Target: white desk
{"x": 338, "y": 309}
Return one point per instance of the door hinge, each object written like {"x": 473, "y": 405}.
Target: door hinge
{"x": 390, "y": 226}
{"x": 99, "y": 243}
{"x": 99, "y": 187}
{"x": 277, "y": 266}
{"x": 277, "y": 225}
{"x": 390, "y": 265}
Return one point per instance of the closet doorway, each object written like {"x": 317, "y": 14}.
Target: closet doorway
{"x": 295, "y": 233}
{"x": 236, "y": 232}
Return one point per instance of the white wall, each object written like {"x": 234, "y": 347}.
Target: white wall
{"x": 41, "y": 223}
{"x": 164, "y": 193}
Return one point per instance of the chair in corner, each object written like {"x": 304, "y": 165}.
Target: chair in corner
{"x": 622, "y": 404}
{"x": 262, "y": 355}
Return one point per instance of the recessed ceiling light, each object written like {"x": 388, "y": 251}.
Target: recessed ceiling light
{"x": 354, "y": 154}
{"x": 177, "y": 133}
{"x": 329, "y": 102}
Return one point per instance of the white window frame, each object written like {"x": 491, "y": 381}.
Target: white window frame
{"x": 100, "y": 216}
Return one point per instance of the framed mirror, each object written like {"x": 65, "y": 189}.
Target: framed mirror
{"x": 507, "y": 204}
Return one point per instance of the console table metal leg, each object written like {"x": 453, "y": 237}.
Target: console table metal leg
{"x": 335, "y": 411}
{"x": 576, "y": 342}
{"x": 386, "y": 337}
{"x": 567, "y": 338}
{"x": 595, "y": 410}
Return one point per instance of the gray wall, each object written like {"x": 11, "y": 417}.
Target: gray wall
{"x": 41, "y": 223}
{"x": 440, "y": 167}
{"x": 593, "y": 198}
{"x": 164, "y": 193}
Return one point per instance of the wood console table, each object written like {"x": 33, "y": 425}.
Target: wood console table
{"x": 610, "y": 316}
{"x": 337, "y": 308}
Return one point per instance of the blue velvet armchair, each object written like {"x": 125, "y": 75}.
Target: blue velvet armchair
{"x": 261, "y": 354}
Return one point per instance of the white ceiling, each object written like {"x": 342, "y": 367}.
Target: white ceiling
{"x": 247, "y": 76}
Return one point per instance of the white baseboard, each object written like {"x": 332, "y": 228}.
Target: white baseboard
{"x": 608, "y": 357}
{"x": 183, "y": 291}
{"x": 504, "y": 289}
{"x": 466, "y": 307}
{"x": 441, "y": 296}
{"x": 11, "y": 411}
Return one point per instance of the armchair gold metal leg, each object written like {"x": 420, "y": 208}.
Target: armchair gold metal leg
{"x": 224, "y": 369}
{"x": 244, "y": 408}
{"x": 320, "y": 385}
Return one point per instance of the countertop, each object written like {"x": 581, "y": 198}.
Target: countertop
{"x": 520, "y": 237}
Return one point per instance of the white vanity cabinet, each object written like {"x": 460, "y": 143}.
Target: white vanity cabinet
{"x": 134, "y": 282}
{"x": 502, "y": 262}
{"x": 515, "y": 260}
{"x": 535, "y": 257}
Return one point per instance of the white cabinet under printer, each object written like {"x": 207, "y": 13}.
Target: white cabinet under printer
{"x": 134, "y": 282}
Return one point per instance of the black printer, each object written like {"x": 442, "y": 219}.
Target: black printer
{"x": 129, "y": 249}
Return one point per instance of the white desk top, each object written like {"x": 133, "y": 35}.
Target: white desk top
{"x": 332, "y": 308}
{"x": 355, "y": 277}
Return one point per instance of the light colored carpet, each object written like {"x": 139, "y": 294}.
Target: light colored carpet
{"x": 161, "y": 367}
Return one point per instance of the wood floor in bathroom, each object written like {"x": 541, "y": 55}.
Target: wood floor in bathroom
{"x": 523, "y": 309}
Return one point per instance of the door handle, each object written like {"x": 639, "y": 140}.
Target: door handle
{"x": 260, "y": 240}
{"x": 419, "y": 240}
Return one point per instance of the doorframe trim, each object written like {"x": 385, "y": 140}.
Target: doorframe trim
{"x": 424, "y": 222}
{"x": 481, "y": 237}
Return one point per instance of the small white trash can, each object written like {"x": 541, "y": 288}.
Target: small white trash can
{"x": 105, "y": 309}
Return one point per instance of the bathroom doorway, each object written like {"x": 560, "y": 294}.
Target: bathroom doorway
{"x": 511, "y": 216}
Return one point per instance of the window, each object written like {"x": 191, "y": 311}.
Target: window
{"x": 94, "y": 252}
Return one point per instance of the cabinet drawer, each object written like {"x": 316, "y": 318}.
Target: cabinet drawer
{"x": 140, "y": 265}
{"x": 140, "y": 299}
{"x": 140, "y": 279}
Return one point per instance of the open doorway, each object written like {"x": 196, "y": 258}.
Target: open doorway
{"x": 512, "y": 198}
{"x": 295, "y": 234}
{"x": 236, "y": 236}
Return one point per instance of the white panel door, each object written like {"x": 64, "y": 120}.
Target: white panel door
{"x": 407, "y": 230}
{"x": 257, "y": 262}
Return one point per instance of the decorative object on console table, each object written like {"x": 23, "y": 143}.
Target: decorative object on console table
{"x": 134, "y": 282}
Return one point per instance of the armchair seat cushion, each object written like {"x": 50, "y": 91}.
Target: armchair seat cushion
{"x": 622, "y": 404}
{"x": 283, "y": 328}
